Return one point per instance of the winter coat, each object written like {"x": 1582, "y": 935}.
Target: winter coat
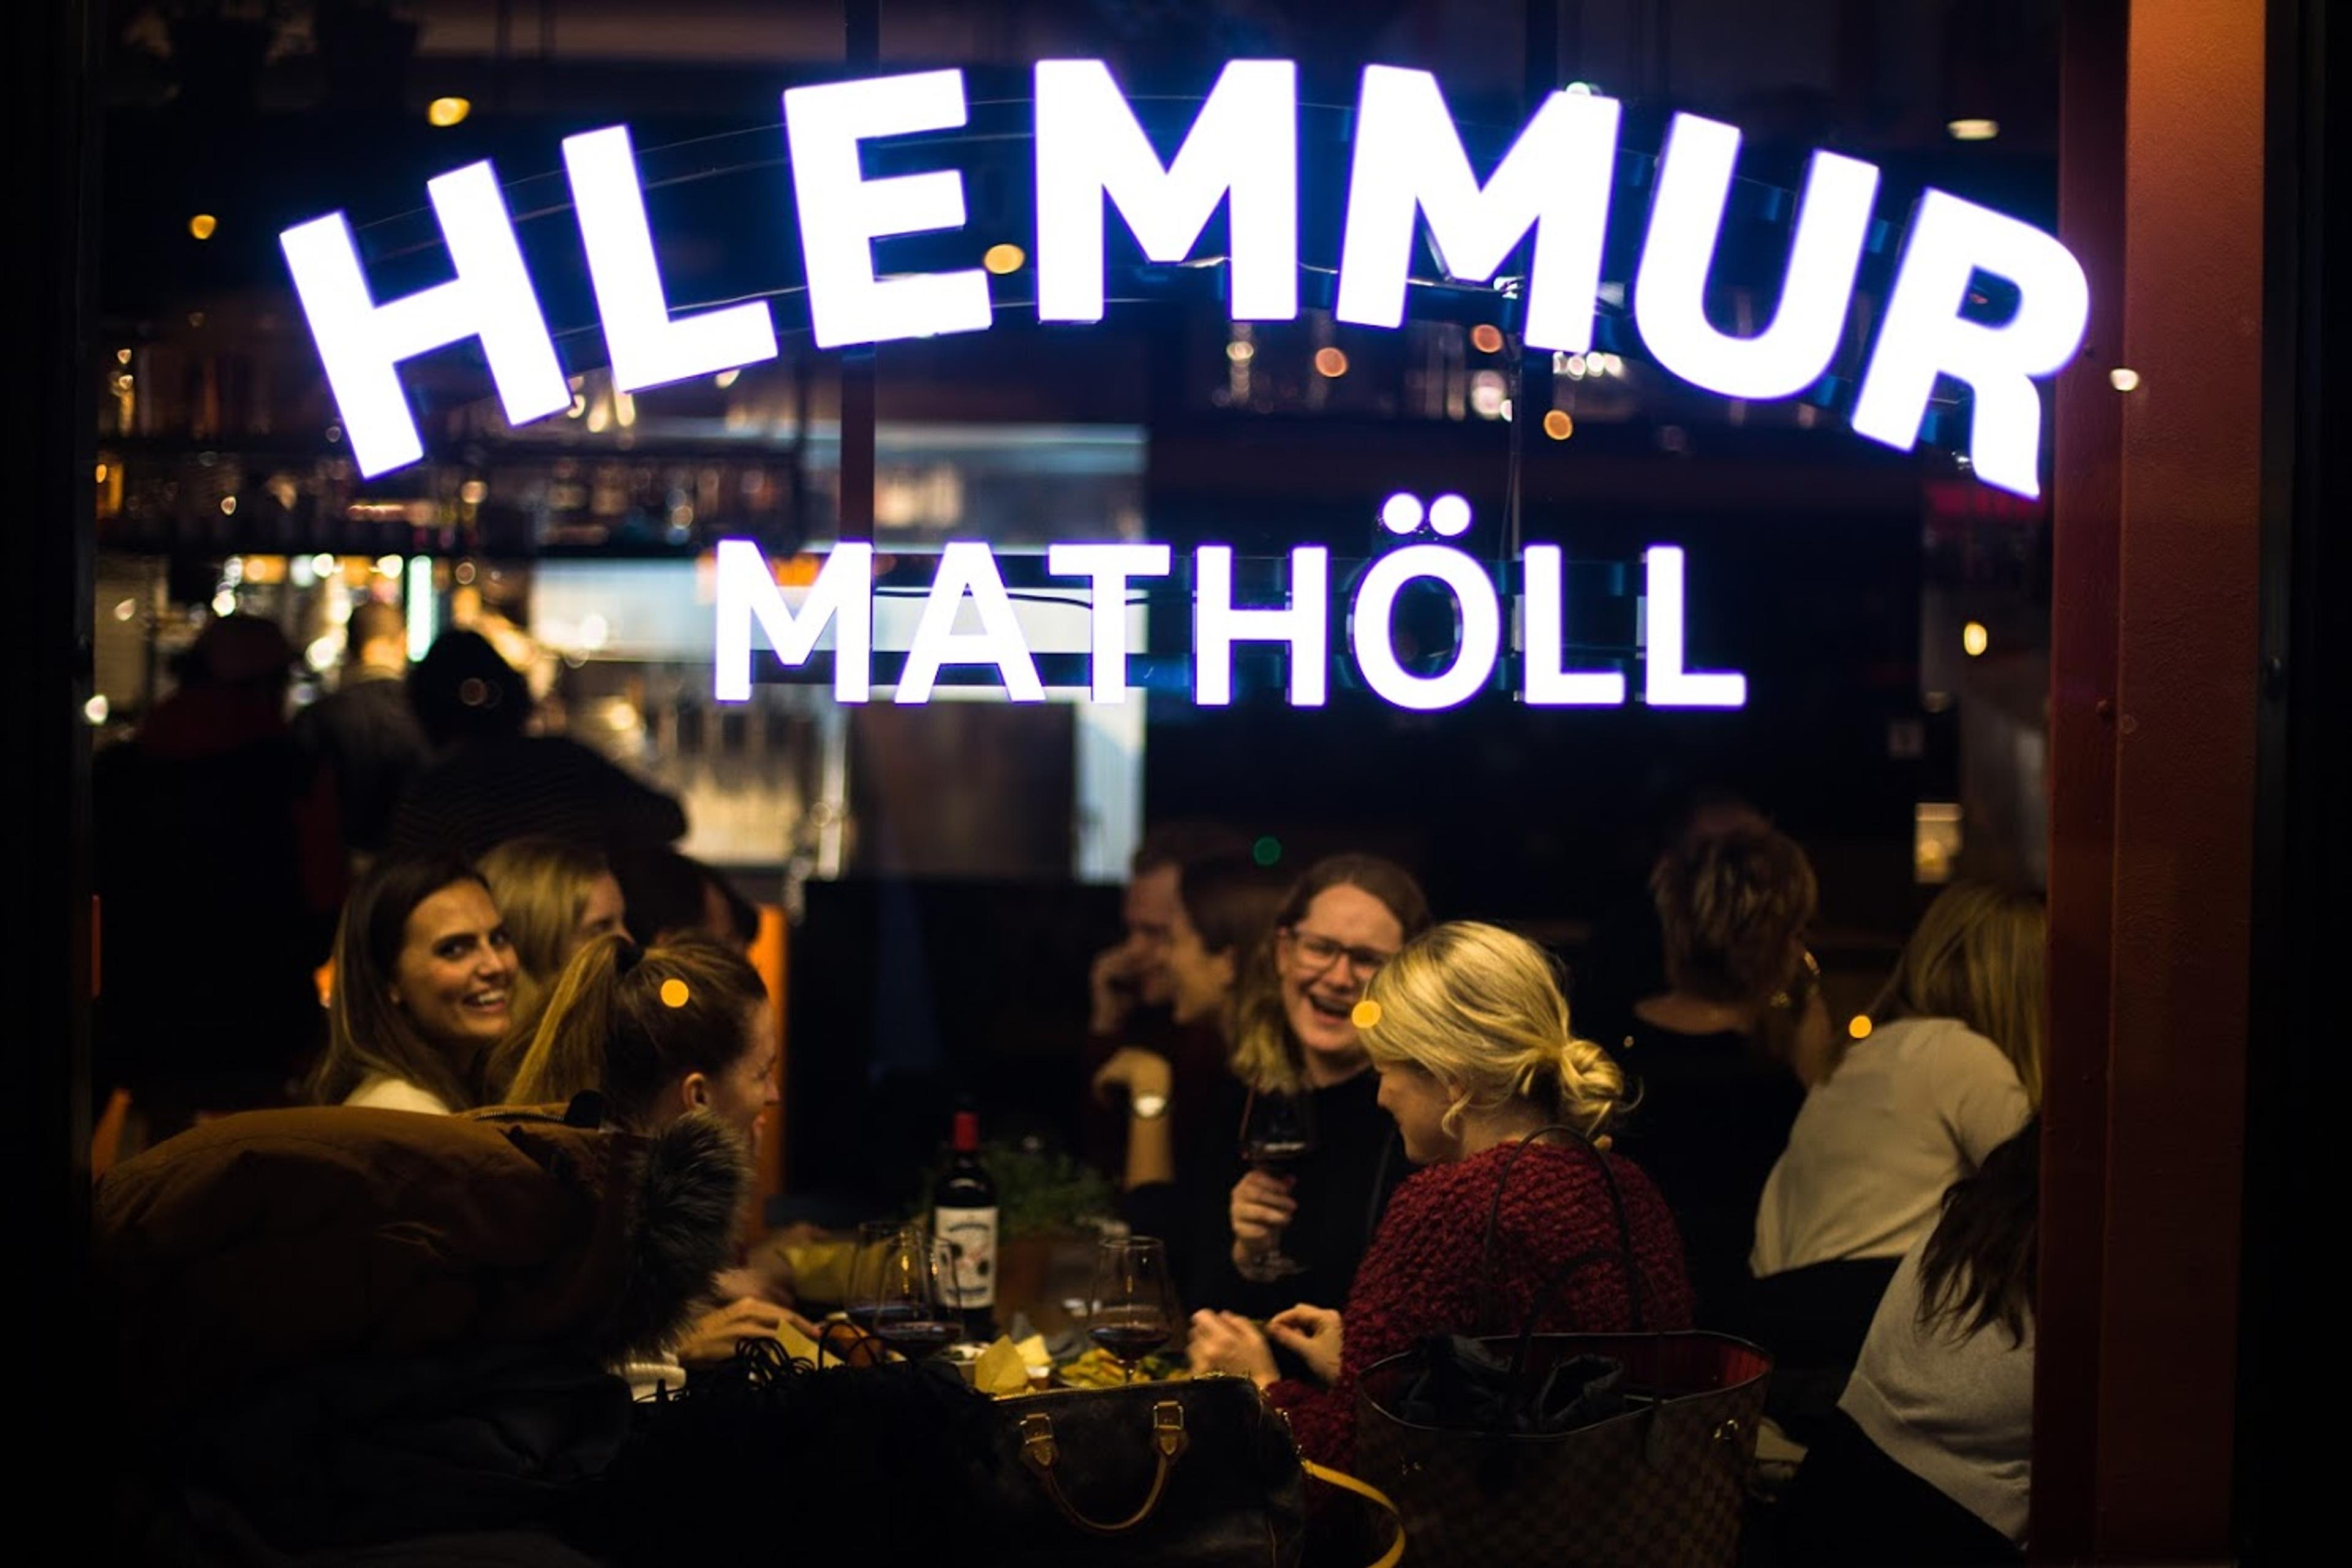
{"x": 338, "y": 1326}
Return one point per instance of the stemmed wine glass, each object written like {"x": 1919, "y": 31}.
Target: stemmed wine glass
{"x": 913, "y": 1284}
{"x": 863, "y": 1301}
{"x": 875, "y": 1239}
{"x": 1277, "y": 1132}
{"x": 1134, "y": 1309}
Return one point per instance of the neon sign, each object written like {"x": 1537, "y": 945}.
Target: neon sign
{"x": 840, "y": 602}
{"x": 1409, "y": 175}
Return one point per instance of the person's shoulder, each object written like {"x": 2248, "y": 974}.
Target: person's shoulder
{"x": 1443, "y": 1186}
{"x": 382, "y": 1093}
{"x": 1946, "y": 1045}
{"x": 564, "y": 747}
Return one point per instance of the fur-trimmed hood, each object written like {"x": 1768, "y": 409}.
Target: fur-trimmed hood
{"x": 277, "y": 1241}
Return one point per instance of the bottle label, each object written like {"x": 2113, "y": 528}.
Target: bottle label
{"x": 972, "y": 1234}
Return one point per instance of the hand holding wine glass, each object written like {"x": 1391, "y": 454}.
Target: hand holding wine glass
{"x": 1134, "y": 1306}
{"x": 1277, "y": 1132}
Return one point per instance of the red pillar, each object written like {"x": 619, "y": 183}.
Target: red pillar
{"x": 2155, "y": 689}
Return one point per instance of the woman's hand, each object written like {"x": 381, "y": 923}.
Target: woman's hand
{"x": 713, "y": 1336}
{"x": 1134, "y": 1071}
{"x": 1230, "y": 1343}
{"x": 1260, "y": 1209}
{"x": 1312, "y": 1334}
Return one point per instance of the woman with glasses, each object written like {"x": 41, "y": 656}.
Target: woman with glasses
{"x": 1718, "y": 1058}
{"x": 1293, "y": 1034}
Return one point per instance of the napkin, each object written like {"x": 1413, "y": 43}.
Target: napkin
{"x": 1003, "y": 1367}
{"x": 797, "y": 1345}
{"x": 821, "y": 1270}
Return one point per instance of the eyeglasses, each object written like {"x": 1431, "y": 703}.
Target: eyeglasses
{"x": 1320, "y": 952}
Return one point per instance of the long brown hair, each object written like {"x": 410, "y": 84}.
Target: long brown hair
{"x": 630, "y": 1022}
{"x": 541, "y": 886}
{"x": 368, "y": 1033}
{"x": 1980, "y": 1265}
{"x": 1266, "y": 1055}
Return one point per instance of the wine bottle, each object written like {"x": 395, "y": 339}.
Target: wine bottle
{"x": 963, "y": 1214}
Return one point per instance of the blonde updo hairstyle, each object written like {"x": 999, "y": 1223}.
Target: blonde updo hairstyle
{"x": 1481, "y": 1010}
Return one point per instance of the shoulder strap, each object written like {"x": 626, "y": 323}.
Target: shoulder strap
{"x": 1627, "y": 1262}
{"x": 1379, "y": 1499}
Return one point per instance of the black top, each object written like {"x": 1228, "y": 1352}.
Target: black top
{"x": 1624, "y": 962}
{"x": 1342, "y": 1190}
{"x": 487, "y": 792}
{"x": 368, "y": 736}
{"x": 218, "y": 878}
{"x": 1712, "y": 1117}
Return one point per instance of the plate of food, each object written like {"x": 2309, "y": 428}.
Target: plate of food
{"x": 1098, "y": 1368}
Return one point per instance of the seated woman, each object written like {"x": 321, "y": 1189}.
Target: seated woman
{"x": 1951, "y": 1069}
{"x": 1469, "y": 1034}
{"x": 423, "y": 990}
{"x": 1294, "y": 1033}
{"x": 555, "y": 896}
{"x": 1716, "y": 1083}
{"x": 659, "y": 1032}
{"x": 1928, "y": 1459}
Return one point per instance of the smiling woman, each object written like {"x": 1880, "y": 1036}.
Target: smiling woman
{"x": 424, "y": 987}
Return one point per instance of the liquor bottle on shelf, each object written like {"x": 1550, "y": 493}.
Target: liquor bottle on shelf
{"x": 963, "y": 1216}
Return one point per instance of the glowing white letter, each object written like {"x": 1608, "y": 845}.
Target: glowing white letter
{"x": 1244, "y": 143}
{"x": 1546, "y": 684}
{"x": 1665, "y": 682}
{"x": 842, "y": 213}
{"x": 1924, "y": 333}
{"x": 968, "y": 567}
{"x": 841, "y": 593}
{"x": 1555, "y": 179}
{"x": 361, "y": 343}
{"x": 1217, "y": 625}
{"x": 648, "y": 348}
{"x": 1687, "y": 224}
{"x": 1109, "y": 566}
{"x": 1374, "y": 621}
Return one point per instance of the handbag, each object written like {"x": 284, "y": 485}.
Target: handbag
{"x": 1200, "y": 1471}
{"x": 1650, "y": 1472}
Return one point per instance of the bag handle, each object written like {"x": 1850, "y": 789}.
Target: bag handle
{"x": 1040, "y": 1450}
{"x": 1379, "y": 1499}
{"x": 1623, "y": 1252}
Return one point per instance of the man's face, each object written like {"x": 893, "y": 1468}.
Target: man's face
{"x": 1150, "y": 909}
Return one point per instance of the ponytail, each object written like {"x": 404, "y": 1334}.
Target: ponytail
{"x": 632, "y": 1022}
{"x": 1480, "y": 1008}
{"x": 1574, "y": 1081}
{"x": 563, "y": 1053}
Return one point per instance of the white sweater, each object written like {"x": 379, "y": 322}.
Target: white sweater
{"x": 386, "y": 1093}
{"x": 1955, "y": 1409}
{"x": 1913, "y": 1108}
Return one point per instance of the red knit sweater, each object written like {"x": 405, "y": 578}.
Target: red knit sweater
{"x": 1420, "y": 1276}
